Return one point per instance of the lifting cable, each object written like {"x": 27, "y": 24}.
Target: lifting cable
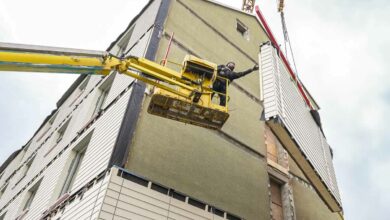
{"x": 287, "y": 40}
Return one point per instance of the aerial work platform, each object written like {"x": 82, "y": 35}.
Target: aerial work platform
{"x": 183, "y": 96}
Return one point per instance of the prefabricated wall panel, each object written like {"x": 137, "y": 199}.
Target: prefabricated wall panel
{"x": 289, "y": 117}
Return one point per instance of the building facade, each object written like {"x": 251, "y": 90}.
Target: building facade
{"x": 100, "y": 155}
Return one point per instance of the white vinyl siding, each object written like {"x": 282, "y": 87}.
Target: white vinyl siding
{"x": 95, "y": 160}
{"x": 115, "y": 197}
{"x": 53, "y": 167}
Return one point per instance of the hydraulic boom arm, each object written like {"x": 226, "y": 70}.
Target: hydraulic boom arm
{"x": 184, "y": 96}
{"x": 25, "y": 58}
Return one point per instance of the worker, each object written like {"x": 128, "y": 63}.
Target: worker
{"x": 226, "y": 72}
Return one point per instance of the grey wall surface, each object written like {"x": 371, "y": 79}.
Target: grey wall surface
{"x": 223, "y": 168}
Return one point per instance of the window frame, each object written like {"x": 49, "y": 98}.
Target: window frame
{"x": 27, "y": 167}
{"x": 32, "y": 192}
{"x": 77, "y": 159}
{"x": 2, "y": 190}
{"x": 80, "y": 89}
{"x": 61, "y": 131}
{"x": 123, "y": 43}
{"x": 242, "y": 29}
{"x": 2, "y": 217}
{"x": 104, "y": 90}
{"x": 278, "y": 184}
{"x": 53, "y": 118}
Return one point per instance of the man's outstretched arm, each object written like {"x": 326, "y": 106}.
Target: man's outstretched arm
{"x": 236, "y": 75}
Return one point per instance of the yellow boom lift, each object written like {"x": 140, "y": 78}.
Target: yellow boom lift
{"x": 183, "y": 96}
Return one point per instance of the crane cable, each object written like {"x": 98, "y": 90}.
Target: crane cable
{"x": 287, "y": 39}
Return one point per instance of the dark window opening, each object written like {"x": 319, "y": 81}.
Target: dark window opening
{"x": 216, "y": 211}
{"x": 242, "y": 29}
{"x": 196, "y": 203}
{"x": 177, "y": 196}
{"x": 159, "y": 189}
{"x": 135, "y": 179}
{"x": 232, "y": 217}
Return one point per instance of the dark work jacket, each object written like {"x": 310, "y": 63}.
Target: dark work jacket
{"x": 223, "y": 71}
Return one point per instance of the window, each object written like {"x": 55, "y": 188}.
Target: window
{"x": 276, "y": 200}
{"x": 2, "y": 217}
{"x": 27, "y": 167}
{"x": 100, "y": 101}
{"x": 2, "y": 190}
{"x": 123, "y": 43}
{"x": 104, "y": 89}
{"x": 80, "y": 90}
{"x": 78, "y": 156}
{"x": 43, "y": 132}
{"x": 53, "y": 118}
{"x": 25, "y": 148}
{"x": 31, "y": 195}
{"x": 61, "y": 131}
{"x": 84, "y": 83}
{"x": 242, "y": 29}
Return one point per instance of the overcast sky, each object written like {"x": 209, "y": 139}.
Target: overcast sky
{"x": 339, "y": 46}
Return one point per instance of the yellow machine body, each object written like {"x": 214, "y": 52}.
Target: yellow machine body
{"x": 197, "y": 108}
{"x": 183, "y": 96}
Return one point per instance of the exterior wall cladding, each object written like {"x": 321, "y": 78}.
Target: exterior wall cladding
{"x": 139, "y": 166}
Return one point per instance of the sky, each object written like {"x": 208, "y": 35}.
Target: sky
{"x": 340, "y": 50}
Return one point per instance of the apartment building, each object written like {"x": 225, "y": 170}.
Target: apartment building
{"x": 100, "y": 155}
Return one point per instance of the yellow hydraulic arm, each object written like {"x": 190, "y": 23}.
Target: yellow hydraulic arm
{"x": 184, "y": 96}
